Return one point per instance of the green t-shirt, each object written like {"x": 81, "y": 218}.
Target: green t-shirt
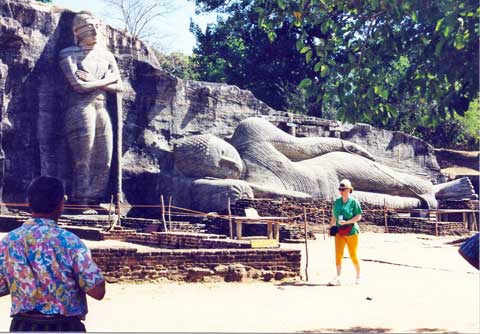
{"x": 348, "y": 210}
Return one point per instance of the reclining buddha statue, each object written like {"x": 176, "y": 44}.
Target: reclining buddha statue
{"x": 262, "y": 161}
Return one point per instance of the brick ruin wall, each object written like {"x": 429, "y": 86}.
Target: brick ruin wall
{"x": 205, "y": 265}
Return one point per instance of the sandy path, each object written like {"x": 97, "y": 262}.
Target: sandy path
{"x": 416, "y": 283}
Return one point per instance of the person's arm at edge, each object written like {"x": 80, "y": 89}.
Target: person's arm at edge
{"x": 91, "y": 281}
{"x": 98, "y": 291}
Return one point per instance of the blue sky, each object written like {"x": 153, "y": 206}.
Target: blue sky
{"x": 175, "y": 26}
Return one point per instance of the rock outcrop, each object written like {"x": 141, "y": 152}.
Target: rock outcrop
{"x": 456, "y": 164}
{"x": 398, "y": 150}
{"x": 158, "y": 107}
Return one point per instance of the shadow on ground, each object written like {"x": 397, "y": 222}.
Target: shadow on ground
{"x": 356, "y": 329}
{"x": 359, "y": 329}
{"x": 433, "y": 330}
{"x": 300, "y": 284}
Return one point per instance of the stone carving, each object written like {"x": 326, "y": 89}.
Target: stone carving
{"x": 263, "y": 161}
{"x": 216, "y": 167}
{"x": 91, "y": 71}
{"x": 207, "y": 156}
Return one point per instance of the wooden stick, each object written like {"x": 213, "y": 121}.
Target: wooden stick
{"x": 436, "y": 225}
{"x": 385, "y": 214}
{"x": 110, "y": 210}
{"x": 119, "y": 199}
{"x": 475, "y": 226}
{"x": 306, "y": 243}
{"x": 323, "y": 222}
{"x": 170, "y": 212}
{"x": 111, "y": 221}
{"x": 164, "y": 222}
{"x": 230, "y": 228}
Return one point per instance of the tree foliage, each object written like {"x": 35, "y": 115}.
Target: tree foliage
{"x": 177, "y": 64}
{"x": 371, "y": 58}
{"x": 237, "y": 51}
{"x": 376, "y": 54}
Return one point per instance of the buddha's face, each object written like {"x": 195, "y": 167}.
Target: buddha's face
{"x": 208, "y": 156}
{"x": 226, "y": 158}
{"x": 87, "y": 30}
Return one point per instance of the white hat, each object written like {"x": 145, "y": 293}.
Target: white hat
{"x": 345, "y": 183}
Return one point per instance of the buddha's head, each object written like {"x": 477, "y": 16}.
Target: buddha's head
{"x": 87, "y": 29}
{"x": 207, "y": 156}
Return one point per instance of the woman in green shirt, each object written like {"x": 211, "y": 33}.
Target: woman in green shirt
{"x": 346, "y": 213}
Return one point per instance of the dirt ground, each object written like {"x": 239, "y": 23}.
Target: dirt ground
{"x": 411, "y": 283}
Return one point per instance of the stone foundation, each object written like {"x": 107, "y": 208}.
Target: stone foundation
{"x": 197, "y": 265}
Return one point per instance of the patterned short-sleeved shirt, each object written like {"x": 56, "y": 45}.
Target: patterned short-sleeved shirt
{"x": 46, "y": 269}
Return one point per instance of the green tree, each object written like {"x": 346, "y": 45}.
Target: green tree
{"x": 471, "y": 120}
{"x": 370, "y": 55}
{"x": 177, "y": 64}
{"x": 376, "y": 54}
{"x": 237, "y": 51}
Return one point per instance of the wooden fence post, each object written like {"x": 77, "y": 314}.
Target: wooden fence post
{"x": 110, "y": 211}
{"x": 230, "y": 227}
{"x": 164, "y": 222}
{"x": 385, "y": 215}
{"x": 323, "y": 222}
{"x": 306, "y": 242}
{"x": 474, "y": 220}
{"x": 170, "y": 213}
{"x": 119, "y": 212}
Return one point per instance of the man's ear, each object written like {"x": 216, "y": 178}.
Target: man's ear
{"x": 59, "y": 209}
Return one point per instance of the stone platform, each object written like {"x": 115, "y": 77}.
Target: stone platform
{"x": 131, "y": 253}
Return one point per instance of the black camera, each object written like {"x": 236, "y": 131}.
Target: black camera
{"x": 333, "y": 231}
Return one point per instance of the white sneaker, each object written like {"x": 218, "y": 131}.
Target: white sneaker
{"x": 358, "y": 280}
{"x": 335, "y": 282}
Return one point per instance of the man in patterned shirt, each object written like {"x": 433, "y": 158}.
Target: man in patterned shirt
{"x": 47, "y": 270}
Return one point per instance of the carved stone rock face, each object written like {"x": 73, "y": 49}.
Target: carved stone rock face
{"x": 92, "y": 72}
{"x": 207, "y": 156}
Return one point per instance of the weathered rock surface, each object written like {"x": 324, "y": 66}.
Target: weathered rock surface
{"x": 454, "y": 158}
{"x": 398, "y": 150}
{"x": 236, "y": 273}
{"x": 157, "y": 106}
{"x": 456, "y": 164}
{"x": 157, "y": 109}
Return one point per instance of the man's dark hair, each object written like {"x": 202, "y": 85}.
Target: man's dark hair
{"x": 44, "y": 194}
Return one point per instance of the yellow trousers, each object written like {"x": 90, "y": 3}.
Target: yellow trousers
{"x": 352, "y": 243}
